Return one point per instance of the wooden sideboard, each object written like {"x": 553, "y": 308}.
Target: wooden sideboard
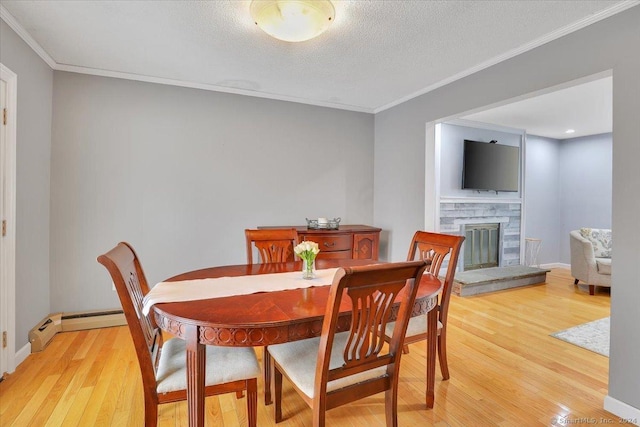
{"x": 348, "y": 241}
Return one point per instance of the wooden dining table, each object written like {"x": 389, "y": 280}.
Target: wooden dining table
{"x": 266, "y": 318}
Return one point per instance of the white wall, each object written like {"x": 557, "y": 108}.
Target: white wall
{"x": 400, "y": 169}
{"x": 33, "y": 154}
{"x": 180, "y": 173}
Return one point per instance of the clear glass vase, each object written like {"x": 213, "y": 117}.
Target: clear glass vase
{"x": 309, "y": 268}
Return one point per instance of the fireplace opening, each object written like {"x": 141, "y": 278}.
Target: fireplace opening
{"x": 481, "y": 246}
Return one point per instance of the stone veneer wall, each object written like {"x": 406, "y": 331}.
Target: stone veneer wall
{"x": 454, "y": 216}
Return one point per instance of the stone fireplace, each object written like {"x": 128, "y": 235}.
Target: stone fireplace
{"x": 491, "y": 230}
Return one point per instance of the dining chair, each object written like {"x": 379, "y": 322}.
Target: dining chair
{"x": 273, "y": 244}
{"x": 433, "y": 248}
{"x": 338, "y": 368}
{"x": 163, "y": 363}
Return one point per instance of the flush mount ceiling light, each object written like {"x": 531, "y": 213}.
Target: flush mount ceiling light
{"x": 292, "y": 20}
{"x": 570, "y": 131}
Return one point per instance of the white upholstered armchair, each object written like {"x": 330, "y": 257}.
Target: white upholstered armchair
{"x": 591, "y": 257}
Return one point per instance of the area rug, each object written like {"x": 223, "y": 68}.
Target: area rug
{"x": 593, "y": 336}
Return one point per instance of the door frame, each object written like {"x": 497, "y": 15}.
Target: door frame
{"x": 8, "y": 242}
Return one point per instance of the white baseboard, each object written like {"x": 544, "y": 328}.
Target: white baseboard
{"x": 556, "y": 265}
{"x": 627, "y": 414}
{"x": 22, "y": 354}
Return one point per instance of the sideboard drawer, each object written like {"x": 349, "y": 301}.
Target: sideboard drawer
{"x": 340, "y": 242}
{"x": 348, "y": 241}
{"x": 335, "y": 255}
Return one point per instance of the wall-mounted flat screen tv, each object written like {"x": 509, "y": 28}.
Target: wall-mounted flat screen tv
{"x": 490, "y": 166}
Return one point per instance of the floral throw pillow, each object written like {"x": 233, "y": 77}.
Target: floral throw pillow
{"x": 600, "y": 239}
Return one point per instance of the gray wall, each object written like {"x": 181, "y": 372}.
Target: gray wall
{"x": 180, "y": 173}
{"x": 33, "y": 154}
{"x": 568, "y": 186}
{"x": 543, "y": 207}
{"x": 585, "y": 179}
{"x": 400, "y": 167}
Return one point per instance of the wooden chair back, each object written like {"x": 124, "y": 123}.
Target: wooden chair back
{"x": 372, "y": 291}
{"x": 131, "y": 285}
{"x": 434, "y": 248}
{"x": 273, "y": 244}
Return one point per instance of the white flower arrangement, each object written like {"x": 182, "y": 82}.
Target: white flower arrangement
{"x": 307, "y": 250}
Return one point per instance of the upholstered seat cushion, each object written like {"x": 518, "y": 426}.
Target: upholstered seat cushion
{"x": 603, "y": 265}
{"x": 417, "y": 326}
{"x": 224, "y": 364}
{"x": 299, "y": 358}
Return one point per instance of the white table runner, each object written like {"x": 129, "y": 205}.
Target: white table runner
{"x": 189, "y": 290}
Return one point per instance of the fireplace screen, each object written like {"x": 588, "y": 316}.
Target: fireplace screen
{"x": 481, "y": 246}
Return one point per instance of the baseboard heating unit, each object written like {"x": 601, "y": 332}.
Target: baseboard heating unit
{"x": 42, "y": 334}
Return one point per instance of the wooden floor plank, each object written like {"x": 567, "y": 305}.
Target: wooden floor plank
{"x": 505, "y": 370}
{"x": 72, "y": 396}
{"x": 26, "y": 413}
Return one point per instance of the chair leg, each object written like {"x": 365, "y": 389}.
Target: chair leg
{"x": 239, "y": 394}
{"x": 575, "y": 282}
{"x": 150, "y": 412}
{"x": 592, "y": 290}
{"x": 277, "y": 390}
{"x": 405, "y": 349}
{"x": 267, "y": 368}
{"x": 442, "y": 355}
{"x": 391, "y": 406}
{"x": 319, "y": 413}
{"x": 252, "y": 402}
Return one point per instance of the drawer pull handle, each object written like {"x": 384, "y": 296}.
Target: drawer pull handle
{"x": 327, "y": 244}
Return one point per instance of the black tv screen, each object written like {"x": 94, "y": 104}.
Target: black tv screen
{"x": 490, "y": 166}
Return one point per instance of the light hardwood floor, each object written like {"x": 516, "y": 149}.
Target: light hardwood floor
{"x": 505, "y": 371}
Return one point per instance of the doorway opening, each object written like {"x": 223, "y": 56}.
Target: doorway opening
{"x": 549, "y": 161}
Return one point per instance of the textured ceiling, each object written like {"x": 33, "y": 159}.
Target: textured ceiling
{"x": 375, "y": 55}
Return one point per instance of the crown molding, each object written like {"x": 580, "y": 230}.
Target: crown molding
{"x": 24, "y": 34}
{"x": 33, "y": 44}
{"x": 205, "y": 86}
{"x": 554, "y": 35}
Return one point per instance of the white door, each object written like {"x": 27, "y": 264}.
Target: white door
{"x": 3, "y": 310}
{"x": 8, "y": 83}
